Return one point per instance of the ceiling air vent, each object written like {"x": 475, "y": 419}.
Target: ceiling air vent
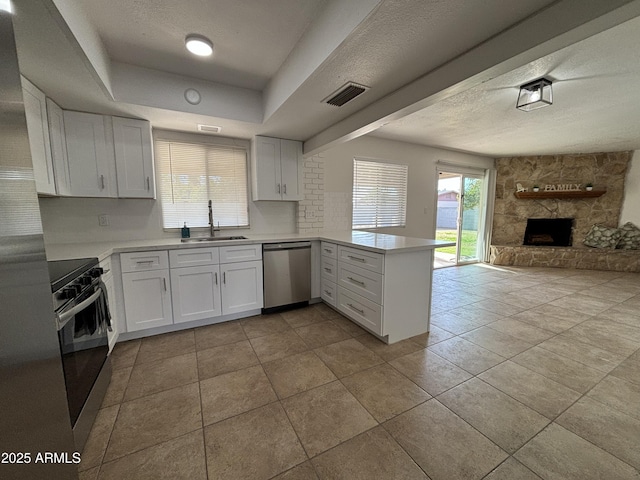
{"x": 346, "y": 93}
{"x": 209, "y": 128}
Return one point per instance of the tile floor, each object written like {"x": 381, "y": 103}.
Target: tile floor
{"x": 526, "y": 374}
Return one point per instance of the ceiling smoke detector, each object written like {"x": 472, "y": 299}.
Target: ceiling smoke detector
{"x": 345, "y": 93}
{"x": 209, "y": 128}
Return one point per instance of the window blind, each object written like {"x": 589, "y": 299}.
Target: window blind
{"x": 191, "y": 174}
{"x": 379, "y": 194}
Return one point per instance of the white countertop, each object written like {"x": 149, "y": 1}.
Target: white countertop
{"x": 375, "y": 242}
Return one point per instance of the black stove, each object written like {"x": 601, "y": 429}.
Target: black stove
{"x": 62, "y": 272}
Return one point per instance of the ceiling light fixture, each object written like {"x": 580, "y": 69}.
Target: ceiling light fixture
{"x": 199, "y": 45}
{"x": 534, "y": 95}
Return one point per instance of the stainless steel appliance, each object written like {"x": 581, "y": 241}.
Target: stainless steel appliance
{"x": 287, "y": 274}
{"x": 82, "y": 320}
{"x": 35, "y": 417}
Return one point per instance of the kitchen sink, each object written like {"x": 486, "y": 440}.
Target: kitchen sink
{"x": 213, "y": 239}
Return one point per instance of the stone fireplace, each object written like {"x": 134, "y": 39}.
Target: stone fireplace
{"x": 606, "y": 171}
{"x": 548, "y": 232}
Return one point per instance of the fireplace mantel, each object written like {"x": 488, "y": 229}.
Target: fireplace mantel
{"x": 560, "y": 194}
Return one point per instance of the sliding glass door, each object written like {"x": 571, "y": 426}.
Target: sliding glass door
{"x": 469, "y": 219}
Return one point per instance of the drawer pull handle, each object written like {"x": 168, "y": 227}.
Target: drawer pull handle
{"x": 284, "y": 186}
{"x": 278, "y": 188}
{"x": 148, "y": 184}
{"x": 327, "y": 269}
{"x": 164, "y": 282}
{"x": 358, "y": 282}
{"x": 356, "y": 258}
{"x": 328, "y": 293}
{"x": 328, "y": 250}
{"x": 224, "y": 277}
{"x": 216, "y": 275}
{"x": 361, "y": 312}
{"x": 101, "y": 182}
{"x": 144, "y": 262}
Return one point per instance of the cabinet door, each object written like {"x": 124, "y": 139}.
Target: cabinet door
{"x": 90, "y": 155}
{"x": 134, "y": 158}
{"x": 37, "y": 126}
{"x": 195, "y": 292}
{"x": 267, "y": 180}
{"x": 290, "y": 159}
{"x": 147, "y": 299}
{"x": 58, "y": 141}
{"x": 241, "y": 287}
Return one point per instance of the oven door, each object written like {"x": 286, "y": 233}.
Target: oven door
{"x": 84, "y": 346}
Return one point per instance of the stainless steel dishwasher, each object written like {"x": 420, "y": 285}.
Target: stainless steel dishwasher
{"x": 287, "y": 274}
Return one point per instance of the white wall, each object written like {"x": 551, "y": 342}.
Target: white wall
{"x": 422, "y": 187}
{"x": 75, "y": 220}
{"x": 631, "y": 202}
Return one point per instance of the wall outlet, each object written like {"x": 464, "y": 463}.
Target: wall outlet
{"x": 103, "y": 220}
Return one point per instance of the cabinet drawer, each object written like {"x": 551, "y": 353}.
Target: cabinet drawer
{"x": 329, "y": 249}
{"x": 144, "y": 261}
{"x": 328, "y": 292}
{"x": 192, "y": 257}
{"x": 362, "y": 258}
{"x": 240, "y": 253}
{"x": 361, "y": 281}
{"x": 360, "y": 309}
{"x": 329, "y": 268}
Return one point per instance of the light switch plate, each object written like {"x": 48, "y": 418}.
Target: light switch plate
{"x": 103, "y": 220}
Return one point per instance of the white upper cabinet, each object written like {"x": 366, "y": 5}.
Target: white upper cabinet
{"x": 134, "y": 158}
{"x": 38, "y": 129}
{"x": 91, "y": 161}
{"x": 57, "y": 136}
{"x": 276, "y": 169}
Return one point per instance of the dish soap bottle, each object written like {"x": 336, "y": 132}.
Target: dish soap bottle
{"x": 186, "y": 231}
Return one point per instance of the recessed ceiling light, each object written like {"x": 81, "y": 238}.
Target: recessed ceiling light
{"x": 199, "y": 45}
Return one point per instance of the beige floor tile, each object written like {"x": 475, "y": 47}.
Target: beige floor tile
{"x": 324, "y": 333}
{"x": 622, "y": 330}
{"x": 262, "y": 325}
{"x": 326, "y": 416}
{"x": 115, "y": 391}
{"x": 152, "y": 377}
{"x": 373, "y": 454}
{"x": 225, "y": 358}
{"x": 430, "y": 371}
{"x": 156, "y": 418}
{"x": 570, "y": 373}
{"x": 512, "y": 469}
{"x": 234, "y": 393}
{"x": 545, "y": 322}
{"x": 601, "y": 337}
{"x": 347, "y": 325}
{"x": 609, "y": 429}
{"x": 455, "y": 324}
{"x": 629, "y": 315}
{"x": 303, "y": 316}
{"x": 553, "y": 311}
{"x": 297, "y": 373}
{"x": 583, "y": 303}
{"x": 256, "y": 445}
{"x": 434, "y": 437}
{"x": 589, "y": 355}
{"x": 347, "y": 357}
{"x": 534, "y": 390}
{"x": 496, "y": 341}
{"x": 182, "y": 458}
{"x": 558, "y": 454}
{"x": 433, "y": 336}
{"x": 505, "y": 421}
{"x": 499, "y": 308}
{"x": 384, "y": 392}
{"x": 619, "y": 394}
{"x": 304, "y": 471}
{"x": 629, "y": 370}
{"x": 219, "y": 334}
{"x": 521, "y": 330}
{"x": 166, "y": 345}
{"x": 98, "y": 439}
{"x": 388, "y": 352}
{"x": 124, "y": 354}
{"x": 278, "y": 345}
{"x": 468, "y": 356}
{"x": 609, "y": 293}
{"x": 91, "y": 474}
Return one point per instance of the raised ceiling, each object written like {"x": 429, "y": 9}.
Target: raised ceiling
{"x": 441, "y": 73}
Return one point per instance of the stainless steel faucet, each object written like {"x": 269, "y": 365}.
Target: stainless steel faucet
{"x": 212, "y": 231}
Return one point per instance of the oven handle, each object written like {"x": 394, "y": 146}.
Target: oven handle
{"x": 62, "y": 319}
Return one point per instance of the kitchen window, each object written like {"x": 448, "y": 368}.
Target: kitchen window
{"x": 190, "y": 174}
{"x": 379, "y": 194}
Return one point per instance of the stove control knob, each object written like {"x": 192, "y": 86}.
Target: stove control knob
{"x": 69, "y": 292}
{"x": 85, "y": 280}
{"x": 96, "y": 272}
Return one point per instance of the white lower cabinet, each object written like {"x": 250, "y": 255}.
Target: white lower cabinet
{"x": 195, "y": 292}
{"x": 241, "y": 286}
{"x": 147, "y": 299}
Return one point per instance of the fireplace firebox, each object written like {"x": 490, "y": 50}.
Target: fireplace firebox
{"x": 550, "y": 232}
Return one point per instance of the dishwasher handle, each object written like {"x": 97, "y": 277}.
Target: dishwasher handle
{"x": 272, "y": 247}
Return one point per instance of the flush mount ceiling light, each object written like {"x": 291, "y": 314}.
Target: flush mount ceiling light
{"x": 534, "y": 95}
{"x": 199, "y": 45}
